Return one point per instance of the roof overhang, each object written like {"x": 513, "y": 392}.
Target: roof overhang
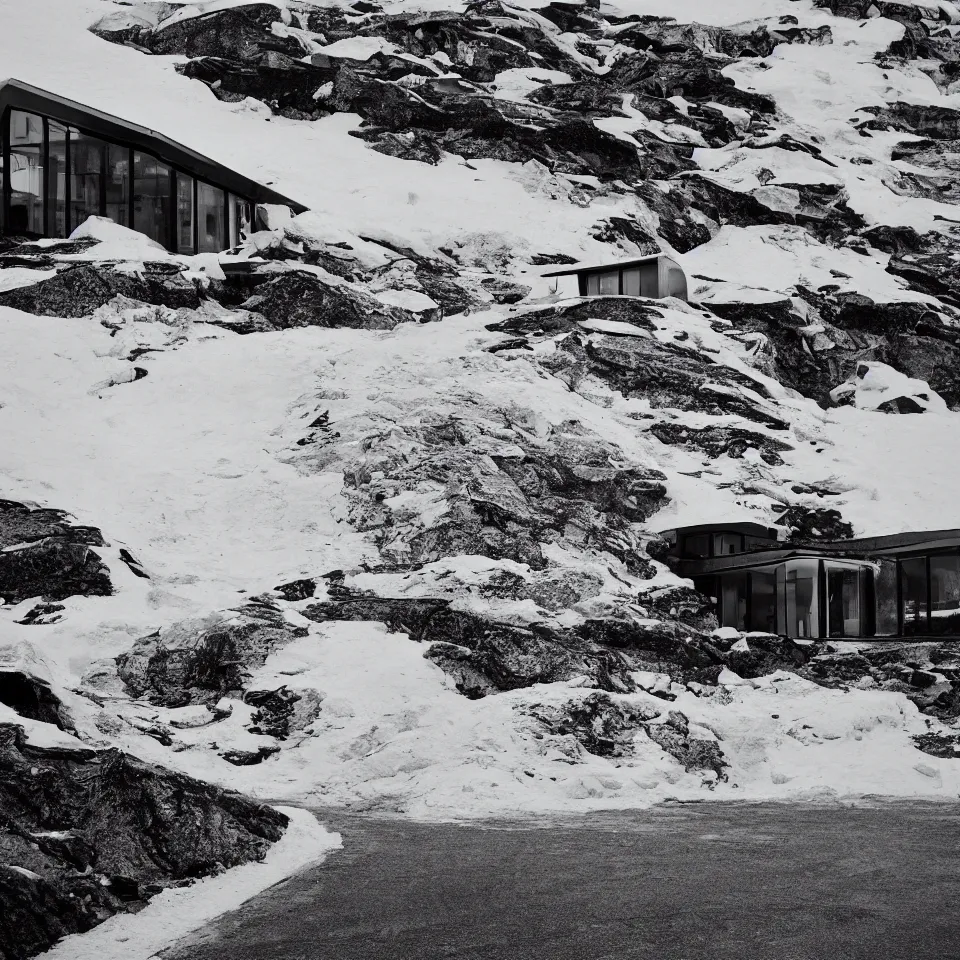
{"x": 17, "y": 95}
{"x": 614, "y": 265}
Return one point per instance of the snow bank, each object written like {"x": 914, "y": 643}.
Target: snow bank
{"x": 176, "y": 912}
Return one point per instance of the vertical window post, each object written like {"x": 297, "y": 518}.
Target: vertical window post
{"x": 67, "y": 177}
{"x": 45, "y": 185}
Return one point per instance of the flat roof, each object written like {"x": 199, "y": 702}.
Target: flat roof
{"x": 736, "y": 526}
{"x": 612, "y": 265}
{"x": 860, "y": 548}
{"x": 17, "y": 95}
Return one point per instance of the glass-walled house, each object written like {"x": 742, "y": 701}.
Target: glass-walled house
{"x": 904, "y": 584}
{"x": 655, "y": 276}
{"x": 62, "y": 162}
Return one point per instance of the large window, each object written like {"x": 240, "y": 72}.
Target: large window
{"x": 913, "y": 595}
{"x": 945, "y": 594}
{"x": 57, "y": 180}
{"x": 727, "y": 544}
{"x": 118, "y": 184}
{"x": 58, "y": 176}
{"x": 696, "y": 546}
{"x": 26, "y": 174}
{"x": 800, "y": 589}
{"x": 733, "y": 600}
{"x": 763, "y": 600}
{"x": 210, "y": 218}
{"x": 152, "y": 198}
{"x": 86, "y": 177}
{"x": 186, "y": 243}
{"x": 886, "y": 590}
{"x": 843, "y": 601}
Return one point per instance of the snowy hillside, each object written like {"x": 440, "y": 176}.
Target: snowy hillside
{"x": 376, "y": 522}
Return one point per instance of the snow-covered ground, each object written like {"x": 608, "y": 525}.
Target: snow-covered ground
{"x": 196, "y": 470}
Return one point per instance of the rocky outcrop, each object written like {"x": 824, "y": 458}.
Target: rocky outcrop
{"x": 43, "y": 555}
{"x": 77, "y": 291}
{"x": 85, "y": 834}
{"x": 200, "y": 661}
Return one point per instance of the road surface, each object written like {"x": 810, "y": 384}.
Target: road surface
{"x": 690, "y": 882}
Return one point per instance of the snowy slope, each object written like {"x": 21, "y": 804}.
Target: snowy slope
{"x": 198, "y": 470}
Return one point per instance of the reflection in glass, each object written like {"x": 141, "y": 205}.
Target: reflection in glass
{"x": 26, "y": 173}
{"x": 57, "y": 180}
{"x": 185, "y": 241}
{"x": 763, "y": 601}
{"x": 86, "y": 177}
{"x": 697, "y": 546}
{"x": 843, "y": 602}
{"x": 913, "y": 593}
{"x": 733, "y": 600}
{"x": 945, "y": 594}
{"x": 801, "y": 598}
{"x": 726, "y": 544}
{"x": 210, "y": 218}
{"x": 152, "y": 200}
{"x": 886, "y": 591}
{"x": 118, "y": 184}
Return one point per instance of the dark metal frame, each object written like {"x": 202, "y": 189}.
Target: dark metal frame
{"x": 15, "y": 95}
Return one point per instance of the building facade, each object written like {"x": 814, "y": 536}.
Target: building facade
{"x": 62, "y": 162}
{"x": 655, "y": 276}
{"x": 902, "y": 585}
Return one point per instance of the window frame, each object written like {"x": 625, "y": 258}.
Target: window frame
{"x": 47, "y": 118}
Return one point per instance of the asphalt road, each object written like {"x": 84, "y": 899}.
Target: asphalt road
{"x": 702, "y": 882}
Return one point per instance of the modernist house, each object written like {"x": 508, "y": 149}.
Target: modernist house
{"x": 904, "y": 585}
{"x": 654, "y": 276}
{"x": 62, "y": 162}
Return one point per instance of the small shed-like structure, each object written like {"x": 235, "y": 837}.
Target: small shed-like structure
{"x": 62, "y": 162}
{"x": 655, "y": 276}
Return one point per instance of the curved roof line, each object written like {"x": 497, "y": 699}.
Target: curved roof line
{"x": 610, "y": 265}
{"x": 18, "y": 95}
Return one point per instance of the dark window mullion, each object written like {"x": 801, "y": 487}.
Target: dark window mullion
{"x": 196, "y": 217}
{"x": 45, "y": 159}
{"x": 172, "y": 212}
{"x": 102, "y": 199}
{"x": 132, "y": 191}
{"x": 67, "y": 177}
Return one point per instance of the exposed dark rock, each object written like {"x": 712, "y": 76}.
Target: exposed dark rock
{"x": 297, "y": 589}
{"x": 54, "y": 569}
{"x": 20, "y": 523}
{"x": 721, "y": 441}
{"x": 299, "y": 299}
{"x": 681, "y": 605}
{"x": 202, "y": 661}
{"x": 94, "y": 833}
{"x": 946, "y": 746}
{"x": 77, "y": 291}
{"x": 249, "y": 758}
{"x": 806, "y": 525}
{"x": 673, "y": 736}
{"x": 282, "y": 712}
{"x": 601, "y": 725}
{"x": 32, "y": 698}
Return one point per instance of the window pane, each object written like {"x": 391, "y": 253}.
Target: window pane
{"x": 650, "y": 279}
{"x": 610, "y": 283}
{"x": 801, "y": 599}
{"x": 210, "y": 216}
{"x": 118, "y": 184}
{"x": 185, "y": 243}
{"x": 26, "y": 173}
{"x": 57, "y": 181}
{"x": 86, "y": 177}
{"x": 945, "y": 594}
{"x": 152, "y": 200}
{"x": 726, "y": 544}
{"x": 843, "y": 602}
{"x": 733, "y": 600}
{"x": 631, "y": 282}
{"x": 763, "y": 601}
{"x": 240, "y": 216}
{"x": 913, "y": 591}
{"x": 696, "y": 546}
{"x": 886, "y": 591}
{"x": 593, "y": 284}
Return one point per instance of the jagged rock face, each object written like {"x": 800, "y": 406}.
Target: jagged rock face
{"x": 87, "y": 834}
{"x": 198, "y": 662}
{"x": 32, "y": 698}
{"x": 695, "y": 753}
{"x": 43, "y": 555}
{"x": 282, "y": 712}
{"x": 602, "y": 726}
{"x": 77, "y": 291}
{"x": 806, "y": 525}
{"x": 303, "y": 300}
